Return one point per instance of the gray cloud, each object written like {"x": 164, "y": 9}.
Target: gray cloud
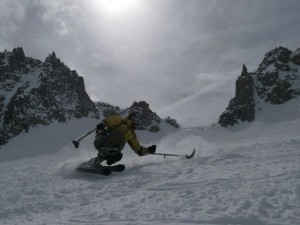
{"x": 160, "y": 51}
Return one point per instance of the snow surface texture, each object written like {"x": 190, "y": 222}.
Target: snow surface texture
{"x": 248, "y": 175}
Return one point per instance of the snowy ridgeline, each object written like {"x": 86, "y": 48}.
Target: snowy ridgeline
{"x": 248, "y": 175}
{"x": 35, "y": 93}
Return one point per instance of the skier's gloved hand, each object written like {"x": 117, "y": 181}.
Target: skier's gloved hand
{"x": 146, "y": 151}
{"x": 152, "y": 149}
{"x": 100, "y": 126}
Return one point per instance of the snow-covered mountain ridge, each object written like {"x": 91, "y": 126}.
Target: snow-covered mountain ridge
{"x": 33, "y": 92}
{"x": 276, "y": 81}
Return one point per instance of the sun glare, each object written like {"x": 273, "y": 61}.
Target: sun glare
{"x": 117, "y": 6}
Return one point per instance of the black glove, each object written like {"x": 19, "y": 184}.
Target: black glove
{"x": 152, "y": 149}
{"x": 100, "y": 126}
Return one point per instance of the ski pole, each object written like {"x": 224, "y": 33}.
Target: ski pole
{"x": 166, "y": 154}
{"x": 76, "y": 142}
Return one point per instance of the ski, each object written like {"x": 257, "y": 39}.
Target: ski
{"x": 102, "y": 171}
{"x": 115, "y": 168}
{"x": 90, "y": 167}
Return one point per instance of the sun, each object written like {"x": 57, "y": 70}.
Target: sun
{"x": 117, "y": 6}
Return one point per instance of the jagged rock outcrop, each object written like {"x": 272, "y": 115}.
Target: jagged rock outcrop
{"x": 276, "y": 81}
{"x": 150, "y": 120}
{"x": 172, "y": 122}
{"x": 241, "y": 107}
{"x": 33, "y": 92}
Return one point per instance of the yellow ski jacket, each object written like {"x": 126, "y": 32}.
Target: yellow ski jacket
{"x": 121, "y": 132}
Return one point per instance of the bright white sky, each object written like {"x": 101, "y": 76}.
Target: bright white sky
{"x": 160, "y": 51}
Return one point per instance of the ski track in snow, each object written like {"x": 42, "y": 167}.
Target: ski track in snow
{"x": 236, "y": 177}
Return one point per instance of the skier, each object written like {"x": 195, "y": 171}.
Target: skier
{"x": 113, "y": 133}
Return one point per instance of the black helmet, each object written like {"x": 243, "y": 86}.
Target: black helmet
{"x": 135, "y": 115}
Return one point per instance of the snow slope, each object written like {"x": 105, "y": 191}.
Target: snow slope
{"x": 248, "y": 175}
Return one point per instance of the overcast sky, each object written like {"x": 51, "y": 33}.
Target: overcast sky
{"x": 161, "y": 51}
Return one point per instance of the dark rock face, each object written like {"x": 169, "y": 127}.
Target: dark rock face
{"x": 150, "y": 120}
{"x": 296, "y": 58}
{"x": 276, "y": 76}
{"x": 172, "y": 122}
{"x": 34, "y": 92}
{"x": 242, "y": 106}
{"x": 276, "y": 81}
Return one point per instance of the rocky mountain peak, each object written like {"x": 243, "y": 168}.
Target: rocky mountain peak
{"x": 142, "y": 104}
{"x": 276, "y": 81}
{"x": 241, "y": 107}
{"x": 150, "y": 120}
{"x": 15, "y": 59}
{"x": 17, "y": 55}
{"x": 277, "y": 76}
{"x": 244, "y": 71}
{"x": 34, "y": 92}
{"x": 278, "y": 55}
{"x": 51, "y": 57}
{"x": 54, "y": 62}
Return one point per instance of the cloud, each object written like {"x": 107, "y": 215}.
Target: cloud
{"x": 160, "y": 51}
{"x": 12, "y": 13}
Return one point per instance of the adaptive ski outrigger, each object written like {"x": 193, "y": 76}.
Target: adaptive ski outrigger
{"x": 186, "y": 156}
{"x": 77, "y": 142}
